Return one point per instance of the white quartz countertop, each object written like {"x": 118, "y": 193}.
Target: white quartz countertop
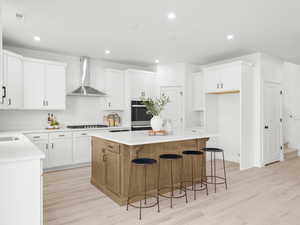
{"x": 73, "y": 130}
{"x": 24, "y": 149}
{"x": 20, "y": 149}
{"x": 142, "y": 137}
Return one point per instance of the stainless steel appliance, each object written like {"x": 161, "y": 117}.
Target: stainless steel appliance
{"x": 140, "y": 120}
{"x": 85, "y": 88}
{"x": 86, "y": 126}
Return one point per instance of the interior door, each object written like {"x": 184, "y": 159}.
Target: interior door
{"x": 55, "y": 87}
{"x": 272, "y": 126}
{"x": 174, "y": 109}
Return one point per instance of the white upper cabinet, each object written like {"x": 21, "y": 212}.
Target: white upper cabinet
{"x": 114, "y": 88}
{"x": 211, "y": 81}
{"x": 141, "y": 83}
{"x": 55, "y": 90}
{"x": 223, "y": 78}
{"x": 12, "y": 81}
{"x": 34, "y": 85}
{"x": 44, "y": 85}
{"x": 198, "y": 91}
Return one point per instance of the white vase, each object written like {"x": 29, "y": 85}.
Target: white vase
{"x": 156, "y": 123}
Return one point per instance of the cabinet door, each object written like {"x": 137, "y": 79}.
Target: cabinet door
{"x": 44, "y": 147}
{"x": 60, "y": 152}
{"x": 211, "y": 81}
{"x": 55, "y": 86}
{"x": 98, "y": 162}
{"x": 112, "y": 178}
{"x": 82, "y": 149}
{"x": 13, "y": 75}
{"x": 3, "y": 104}
{"x": 114, "y": 86}
{"x": 198, "y": 94}
{"x": 150, "y": 84}
{"x": 137, "y": 85}
{"x": 231, "y": 78}
{"x": 34, "y": 85}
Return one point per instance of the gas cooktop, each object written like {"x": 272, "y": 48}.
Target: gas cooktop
{"x": 86, "y": 126}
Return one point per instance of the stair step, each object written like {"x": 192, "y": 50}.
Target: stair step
{"x": 290, "y": 153}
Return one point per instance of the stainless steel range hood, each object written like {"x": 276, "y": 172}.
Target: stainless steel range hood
{"x": 85, "y": 89}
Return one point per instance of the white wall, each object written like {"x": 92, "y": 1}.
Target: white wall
{"x": 78, "y": 109}
{"x": 291, "y": 104}
{"x": 180, "y": 74}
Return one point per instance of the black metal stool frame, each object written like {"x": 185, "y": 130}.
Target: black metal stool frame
{"x": 213, "y": 177}
{"x": 172, "y": 183}
{"x": 193, "y": 181}
{"x": 140, "y": 207}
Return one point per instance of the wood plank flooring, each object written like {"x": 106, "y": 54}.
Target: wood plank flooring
{"x": 259, "y": 196}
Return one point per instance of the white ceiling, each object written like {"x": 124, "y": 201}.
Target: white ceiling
{"x": 138, "y": 31}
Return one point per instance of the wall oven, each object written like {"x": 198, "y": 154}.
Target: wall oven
{"x": 140, "y": 120}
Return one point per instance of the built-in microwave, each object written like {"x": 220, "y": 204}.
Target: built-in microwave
{"x": 140, "y": 120}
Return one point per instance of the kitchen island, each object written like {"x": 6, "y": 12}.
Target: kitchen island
{"x": 112, "y": 154}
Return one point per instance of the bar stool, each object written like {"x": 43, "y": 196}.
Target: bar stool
{"x": 193, "y": 155}
{"x": 171, "y": 158}
{"x": 142, "y": 163}
{"x": 213, "y": 177}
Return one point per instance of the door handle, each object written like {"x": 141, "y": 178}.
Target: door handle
{"x": 266, "y": 127}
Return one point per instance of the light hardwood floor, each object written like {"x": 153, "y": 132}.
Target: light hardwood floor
{"x": 259, "y": 196}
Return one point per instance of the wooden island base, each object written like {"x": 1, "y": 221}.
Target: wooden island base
{"x": 111, "y": 163}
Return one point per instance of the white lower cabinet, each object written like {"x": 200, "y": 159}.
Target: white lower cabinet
{"x": 82, "y": 147}
{"x": 63, "y": 148}
{"x": 60, "y": 152}
{"x": 44, "y": 146}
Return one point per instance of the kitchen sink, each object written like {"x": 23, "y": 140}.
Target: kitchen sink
{"x": 6, "y": 139}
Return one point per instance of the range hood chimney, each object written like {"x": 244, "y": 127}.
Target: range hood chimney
{"x": 85, "y": 89}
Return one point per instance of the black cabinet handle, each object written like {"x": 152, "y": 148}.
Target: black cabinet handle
{"x": 4, "y": 92}
{"x": 266, "y": 127}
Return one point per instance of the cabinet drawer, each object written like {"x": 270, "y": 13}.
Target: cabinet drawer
{"x": 81, "y": 134}
{"x": 112, "y": 147}
{"x": 38, "y": 137}
{"x": 58, "y": 135}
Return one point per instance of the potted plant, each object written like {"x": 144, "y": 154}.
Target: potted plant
{"x": 154, "y": 107}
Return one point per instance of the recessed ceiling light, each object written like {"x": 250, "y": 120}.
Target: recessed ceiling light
{"x": 156, "y": 61}
{"x": 36, "y": 38}
{"x": 230, "y": 37}
{"x": 171, "y": 16}
{"x": 107, "y": 52}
